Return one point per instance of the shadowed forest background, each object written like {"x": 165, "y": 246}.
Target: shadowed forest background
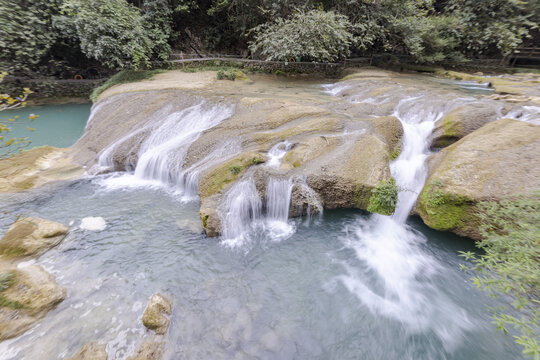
{"x": 94, "y": 37}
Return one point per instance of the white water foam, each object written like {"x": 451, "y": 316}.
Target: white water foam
{"x": 93, "y": 223}
{"x": 396, "y": 276}
{"x": 277, "y": 153}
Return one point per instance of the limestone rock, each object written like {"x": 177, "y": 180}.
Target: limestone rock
{"x": 390, "y": 128}
{"x": 461, "y": 122}
{"x": 31, "y": 236}
{"x": 498, "y": 161}
{"x": 35, "y": 167}
{"x": 32, "y": 293}
{"x": 155, "y": 316}
{"x": 149, "y": 350}
{"x": 91, "y": 351}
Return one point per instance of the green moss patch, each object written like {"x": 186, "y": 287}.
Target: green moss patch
{"x": 384, "y": 198}
{"x": 227, "y": 173}
{"x": 442, "y": 210}
{"x": 395, "y": 153}
{"x": 7, "y": 279}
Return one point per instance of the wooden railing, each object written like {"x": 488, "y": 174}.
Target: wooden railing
{"x": 524, "y": 53}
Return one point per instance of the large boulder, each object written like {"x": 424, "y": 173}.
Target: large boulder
{"x": 35, "y": 167}
{"x": 30, "y": 236}
{"x": 26, "y": 295}
{"x": 498, "y": 161}
{"x": 461, "y": 122}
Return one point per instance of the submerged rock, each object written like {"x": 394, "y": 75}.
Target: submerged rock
{"x": 155, "y": 316}
{"x": 91, "y": 351}
{"x": 35, "y": 167}
{"x": 29, "y": 293}
{"x": 31, "y": 236}
{"x": 498, "y": 161}
{"x": 461, "y": 122}
{"x": 151, "y": 349}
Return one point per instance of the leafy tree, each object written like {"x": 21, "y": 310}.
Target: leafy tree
{"x": 111, "y": 31}
{"x": 9, "y": 145}
{"x": 26, "y": 33}
{"x": 491, "y": 26}
{"x": 510, "y": 266}
{"x": 157, "y": 21}
{"x": 315, "y": 35}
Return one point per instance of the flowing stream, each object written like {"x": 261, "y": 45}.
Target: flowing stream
{"x": 345, "y": 286}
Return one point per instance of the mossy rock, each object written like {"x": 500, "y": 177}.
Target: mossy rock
{"x": 155, "y": 316}
{"x": 217, "y": 178}
{"x": 461, "y": 122}
{"x": 442, "y": 210}
{"x": 459, "y": 75}
{"x": 31, "y": 294}
{"x": 31, "y": 236}
{"x": 496, "y": 162}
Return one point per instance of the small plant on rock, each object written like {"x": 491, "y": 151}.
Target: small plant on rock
{"x": 384, "y": 198}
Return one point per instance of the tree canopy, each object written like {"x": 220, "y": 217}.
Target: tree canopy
{"x": 55, "y": 36}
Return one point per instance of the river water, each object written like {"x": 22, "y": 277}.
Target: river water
{"x": 344, "y": 285}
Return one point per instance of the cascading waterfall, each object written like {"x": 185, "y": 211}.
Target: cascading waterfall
{"x": 242, "y": 207}
{"x": 161, "y": 156}
{"x": 243, "y": 215}
{"x": 394, "y": 276}
{"x": 278, "y": 152}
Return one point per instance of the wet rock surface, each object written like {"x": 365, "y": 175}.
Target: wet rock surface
{"x": 30, "y": 236}
{"x": 341, "y": 138}
{"x": 499, "y": 161}
{"x": 32, "y": 292}
{"x": 155, "y": 316}
{"x": 35, "y": 167}
{"x": 91, "y": 351}
{"x": 463, "y": 121}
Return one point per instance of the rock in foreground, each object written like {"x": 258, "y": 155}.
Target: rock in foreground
{"x": 30, "y": 236}
{"x": 29, "y": 293}
{"x": 155, "y": 316}
{"x": 498, "y": 161}
{"x": 91, "y": 351}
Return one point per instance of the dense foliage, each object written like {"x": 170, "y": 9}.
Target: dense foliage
{"x": 314, "y": 35}
{"x": 60, "y": 36}
{"x": 510, "y": 266}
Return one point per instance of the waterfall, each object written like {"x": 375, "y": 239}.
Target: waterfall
{"x": 242, "y": 207}
{"x": 392, "y": 275}
{"x": 242, "y": 216}
{"x": 418, "y": 116}
{"x": 162, "y": 154}
{"x": 278, "y": 152}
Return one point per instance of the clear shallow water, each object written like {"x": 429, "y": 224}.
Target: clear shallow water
{"x": 57, "y": 125}
{"x": 284, "y": 299}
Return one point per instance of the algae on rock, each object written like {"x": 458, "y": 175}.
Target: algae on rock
{"x": 496, "y": 162}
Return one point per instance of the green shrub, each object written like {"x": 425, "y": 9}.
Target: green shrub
{"x": 509, "y": 265}
{"x": 315, "y": 35}
{"x": 230, "y": 74}
{"x": 384, "y": 198}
